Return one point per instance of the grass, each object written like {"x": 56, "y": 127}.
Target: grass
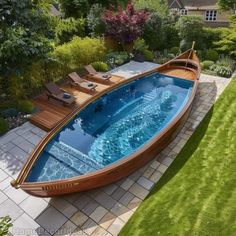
{"x": 197, "y": 194}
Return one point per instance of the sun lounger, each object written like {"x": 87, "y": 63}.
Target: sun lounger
{"x": 81, "y": 84}
{"x": 92, "y": 74}
{"x": 53, "y": 91}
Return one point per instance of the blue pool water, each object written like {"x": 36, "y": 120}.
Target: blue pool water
{"x": 113, "y": 127}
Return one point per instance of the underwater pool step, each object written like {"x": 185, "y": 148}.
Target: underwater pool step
{"x": 76, "y": 162}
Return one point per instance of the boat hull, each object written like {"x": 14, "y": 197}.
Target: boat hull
{"x": 121, "y": 168}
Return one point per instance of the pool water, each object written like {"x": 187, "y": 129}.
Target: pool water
{"x": 113, "y": 127}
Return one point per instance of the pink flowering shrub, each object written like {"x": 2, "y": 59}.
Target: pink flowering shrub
{"x": 125, "y": 25}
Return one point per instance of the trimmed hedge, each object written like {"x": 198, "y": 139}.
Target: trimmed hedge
{"x": 26, "y": 106}
{"x": 100, "y": 66}
{"x": 212, "y": 55}
{"x": 3, "y": 126}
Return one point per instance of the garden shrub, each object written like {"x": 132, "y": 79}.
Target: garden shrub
{"x": 174, "y": 50}
{"x": 140, "y": 45}
{"x": 212, "y": 55}
{"x": 25, "y": 106}
{"x": 212, "y": 35}
{"x": 94, "y": 20}
{"x": 223, "y": 71}
{"x": 149, "y": 55}
{"x": 9, "y": 112}
{"x": 67, "y": 28}
{"x": 117, "y": 58}
{"x": 100, "y": 66}
{"x": 79, "y": 52}
{"x": 207, "y": 64}
{"x": 191, "y": 29}
{"x": 3, "y": 130}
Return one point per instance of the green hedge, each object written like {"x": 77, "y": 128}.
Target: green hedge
{"x": 26, "y": 106}
{"x": 3, "y": 126}
{"x": 100, "y": 66}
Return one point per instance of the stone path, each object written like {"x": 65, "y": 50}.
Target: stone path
{"x": 101, "y": 212}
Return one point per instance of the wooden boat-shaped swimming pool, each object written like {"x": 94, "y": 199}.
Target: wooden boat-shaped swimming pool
{"x": 115, "y": 132}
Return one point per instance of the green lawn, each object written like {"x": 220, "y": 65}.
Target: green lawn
{"x": 197, "y": 194}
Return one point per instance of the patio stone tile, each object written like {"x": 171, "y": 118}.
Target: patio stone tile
{"x": 10, "y": 208}
{"x": 82, "y": 201}
{"x": 148, "y": 172}
{"x": 119, "y": 209}
{"x": 19, "y": 154}
{"x": 107, "y": 220}
{"x": 35, "y": 139}
{"x": 24, "y": 225}
{"x": 79, "y": 232}
{"x": 90, "y": 207}
{"x": 144, "y": 182}
{"x": 139, "y": 191}
{"x": 26, "y": 146}
{"x": 127, "y": 184}
{"x": 18, "y": 140}
{"x": 109, "y": 189}
{"x": 5, "y": 183}
{"x": 8, "y": 137}
{"x": 98, "y": 213}
{"x": 134, "y": 203}
{"x": 135, "y": 175}
{"x": 79, "y": 218}
{"x": 6, "y": 146}
{"x": 17, "y": 195}
{"x": 167, "y": 161}
{"x": 34, "y": 206}
{"x": 72, "y": 197}
{"x": 115, "y": 227}
{"x": 99, "y": 231}
{"x": 162, "y": 168}
{"x": 3, "y": 175}
{"x": 156, "y": 176}
{"x": 126, "y": 198}
{"x": 63, "y": 206}
{"x": 89, "y": 226}
{"x": 119, "y": 192}
{"x": 3, "y": 197}
{"x": 105, "y": 200}
{"x": 67, "y": 229}
{"x": 126, "y": 216}
{"x": 51, "y": 219}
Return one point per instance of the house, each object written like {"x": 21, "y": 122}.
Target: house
{"x": 208, "y": 9}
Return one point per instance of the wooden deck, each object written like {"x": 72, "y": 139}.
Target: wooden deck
{"x": 52, "y": 112}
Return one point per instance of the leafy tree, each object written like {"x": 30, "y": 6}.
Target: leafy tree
{"x": 67, "y": 28}
{"x": 125, "y": 25}
{"x": 94, "y": 21}
{"x": 190, "y": 29}
{"x": 25, "y": 30}
{"x": 227, "y": 4}
{"x": 158, "y": 6}
{"x": 75, "y": 8}
{"x": 227, "y": 44}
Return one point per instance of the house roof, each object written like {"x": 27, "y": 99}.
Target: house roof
{"x": 194, "y": 4}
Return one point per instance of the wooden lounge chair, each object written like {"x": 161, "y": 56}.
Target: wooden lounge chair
{"x": 53, "y": 91}
{"x": 92, "y": 74}
{"x": 81, "y": 84}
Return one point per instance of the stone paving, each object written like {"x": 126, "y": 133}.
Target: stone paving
{"x": 101, "y": 212}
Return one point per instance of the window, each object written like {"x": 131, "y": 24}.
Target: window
{"x": 211, "y": 15}
{"x": 183, "y": 12}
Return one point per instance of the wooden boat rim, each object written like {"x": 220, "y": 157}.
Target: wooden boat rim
{"x": 20, "y": 181}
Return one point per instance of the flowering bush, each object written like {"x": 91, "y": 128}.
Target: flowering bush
{"x": 125, "y": 25}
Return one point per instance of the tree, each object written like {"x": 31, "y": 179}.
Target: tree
{"x": 25, "y": 31}
{"x": 227, "y": 44}
{"x": 227, "y": 4}
{"x": 191, "y": 29}
{"x": 157, "y": 6}
{"x": 125, "y": 25}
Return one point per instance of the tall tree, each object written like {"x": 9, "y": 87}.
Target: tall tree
{"x": 227, "y": 4}
{"x": 125, "y": 25}
{"x": 25, "y": 33}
